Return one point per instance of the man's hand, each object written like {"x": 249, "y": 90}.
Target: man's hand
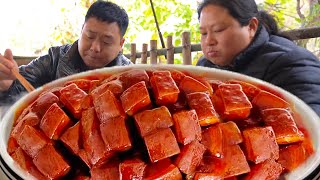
{"x": 7, "y": 63}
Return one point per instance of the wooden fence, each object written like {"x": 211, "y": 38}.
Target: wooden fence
{"x": 186, "y": 49}
{"x": 169, "y": 52}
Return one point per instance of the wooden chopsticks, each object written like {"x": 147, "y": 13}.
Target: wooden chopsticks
{"x": 22, "y": 80}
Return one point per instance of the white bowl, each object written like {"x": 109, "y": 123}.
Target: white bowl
{"x": 311, "y": 121}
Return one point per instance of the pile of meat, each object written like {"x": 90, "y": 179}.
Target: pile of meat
{"x": 159, "y": 124}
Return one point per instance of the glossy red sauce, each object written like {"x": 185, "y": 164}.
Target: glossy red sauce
{"x": 97, "y": 152}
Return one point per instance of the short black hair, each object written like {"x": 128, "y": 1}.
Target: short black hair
{"x": 109, "y": 12}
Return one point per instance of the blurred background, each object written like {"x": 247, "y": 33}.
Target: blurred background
{"x": 30, "y": 27}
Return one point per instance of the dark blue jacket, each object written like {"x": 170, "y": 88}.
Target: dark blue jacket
{"x": 60, "y": 61}
{"x": 281, "y": 62}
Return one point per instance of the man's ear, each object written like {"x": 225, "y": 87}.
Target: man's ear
{"x": 122, "y": 42}
{"x": 253, "y": 26}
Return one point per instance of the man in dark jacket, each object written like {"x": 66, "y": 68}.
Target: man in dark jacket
{"x": 238, "y": 38}
{"x": 99, "y": 45}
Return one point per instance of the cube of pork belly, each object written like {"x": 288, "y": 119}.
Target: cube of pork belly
{"x": 212, "y": 139}
{"x": 161, "y": 144}
{"x": 135, "y": 98}
{"x": 12, "y": 145}
{"x": 32, "y": 140}
{"x": 169, "y": 173}
{"x": 149, "y": 121}
{"x": 250, "y": 122}
{"x": 89, "y": 123}
{"x": 218, "y": 136}
{"x": 291, "y": 156}
{"x": 50, "y": 163}
{"x": 265, "y": 100}
{"x": 71, "y": 138}
{"x": 231, "y": 133}
{"x": 40, "y": 105}
{"x": 36, "y": 173}
{"x": 153, "y": 168}
{"x": 84, "y": 157}
{"x": 268, "y": 169}
{"x": 87, "y": 102}
{"x": 54, "y": 90}
{"x": 98, "y": 152}
{"x": 31, "y": 119}
{"x": 210, "y": 168}
{"x": 20, "y": 157}
{"x": 131, "y": 77}
{"x": 115, "y": 86}
{"x": 308, "y": 146}
{"x": 210, "y": 176}
{"x": 177, "y": 76}
{"x": 115, "y": 134}
{"x": 180, "y": 105}
{"x": 71, "y": 96}
{"x": 186, "y": 126}
{"x": 107, "y": 106}
{"x": 190, "y": 157}
{"x": 81, "y": 177}
{"x": 206, "y": 113}
{"x": 249, "y": 89}
{"x": 233, "y": 163}
{"x": 231, "y": 102}
{"x": 164, "y": 88}
{"x": 108, "y": 171}
{"x": 190, "y": 85}
{"x": 206, "y": 83}
{"x": 206, "y": 176}
{"x": 283, "y": 125}
{"x": 132, "y": 169}
{"x": 25, "y": 162}
{"x": 54, "y": 122}
{"x": 84, "y": 84}
{"x": 214, "y": 83}
{"x": 260, "y": 144}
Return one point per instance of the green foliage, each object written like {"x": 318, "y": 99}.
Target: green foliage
{"x": 286, "y": 12}
{"x": 68, "y": 30}
{"x": 314, "y": 16}
{"x": 174, "y": 17}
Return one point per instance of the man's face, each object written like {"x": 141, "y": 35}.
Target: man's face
{"x": 100, "y": 42}
{"x": 222, "y": 37}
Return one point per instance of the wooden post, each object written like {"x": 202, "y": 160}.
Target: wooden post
{"x": 153, "y": 51}
{"x": 170, "y": 51}
{"x": 186, "y": 50}
{"x": 144, "y": 53}
{"x": 133, "y": 55}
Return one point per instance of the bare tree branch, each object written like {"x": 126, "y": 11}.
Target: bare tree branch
{"x": 298, "y": 8}
{"x": 157, "y": 24}
{"x": 304, "y": 33}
